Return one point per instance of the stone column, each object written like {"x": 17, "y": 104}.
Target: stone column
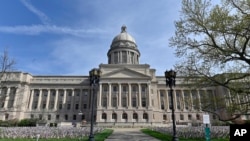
{"x": 129, "y": 95}
{"x": 72, "y": 100}
{"x": 109, "y": 100}
{"x": 199, "y": 99}
{"x": 39, "y": 99}
{"x": 191, "y": 100}
{"x": 56, "y": 99}
{"x": 31, "y": 99}
{"x": 100, "y": 96}
{"x": 159, "y": 98}
{"x": 64, "y": 99}
{"x": 48, "y": 99}
{"x": 183, "y": 100}
{"x": 149, "y": 96}
{"x": 119, "y": 96}
{"x": 7, "y": 97}
{"x": 139, "y": 95}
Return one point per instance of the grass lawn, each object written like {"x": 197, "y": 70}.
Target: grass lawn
{"x": 98, "y": 137}
{"x": 165, "y": 137}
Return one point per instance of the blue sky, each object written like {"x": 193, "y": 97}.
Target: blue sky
{"x": 70, "y": 37}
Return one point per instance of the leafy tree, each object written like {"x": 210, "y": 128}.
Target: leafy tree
{"x": 212, "y": 42}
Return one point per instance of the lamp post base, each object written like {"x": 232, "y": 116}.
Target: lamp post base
{"x": 175, "y": 138}
{"x": 91, "y": 138}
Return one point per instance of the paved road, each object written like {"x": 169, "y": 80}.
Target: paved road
{"x": 129, "y": 134}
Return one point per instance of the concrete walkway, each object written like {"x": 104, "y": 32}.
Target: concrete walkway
{"x": 129, "y": 134}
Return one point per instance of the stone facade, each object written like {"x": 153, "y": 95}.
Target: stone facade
{"x": 129, "y": 93}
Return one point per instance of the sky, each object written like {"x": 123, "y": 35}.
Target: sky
{"x": 70, "y": 37}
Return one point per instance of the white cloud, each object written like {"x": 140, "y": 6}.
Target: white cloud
{"x": 44, "y": 18}
{"x": 38, "y": 29}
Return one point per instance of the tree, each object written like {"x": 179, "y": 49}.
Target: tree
{"x": 7, "y": 66}
{"x": 212, "y": 41}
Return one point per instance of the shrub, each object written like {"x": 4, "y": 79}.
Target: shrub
{"x": 27, "y": 122}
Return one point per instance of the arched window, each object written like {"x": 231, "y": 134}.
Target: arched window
{"x": 135, "y": 116}
{"x": 104, "y": 116}
{"x": 145, "y": 116}
{"x": 124, "y": 116}
{"x": 114, "y": 116}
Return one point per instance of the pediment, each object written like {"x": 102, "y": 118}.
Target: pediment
{"x": 125, "y": 73}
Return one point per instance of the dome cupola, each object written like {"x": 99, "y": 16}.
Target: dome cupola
{"x": 123, "y": 49}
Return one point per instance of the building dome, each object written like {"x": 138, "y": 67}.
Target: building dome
{"x": 123, "y": 39}
{"x": 123, "y": 49}
{"x": 123, "y": 36}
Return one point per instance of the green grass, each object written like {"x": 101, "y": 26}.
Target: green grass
{"x": 166, "y": 137}
{"x": 98, "y": 137}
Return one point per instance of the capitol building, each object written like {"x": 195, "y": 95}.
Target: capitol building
{"x": 129, "y": 94}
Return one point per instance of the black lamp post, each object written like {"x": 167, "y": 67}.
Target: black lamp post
{"x": 170, "y": 81}
{"x": 94, "y": 77}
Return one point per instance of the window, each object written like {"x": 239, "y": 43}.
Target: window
{"x": 143, "y": 89}
{"x": 189, "y": 117}
{"x": 69, "y": 93}
{"x": 124, "y": 88}
{"x": 83, "y": 117}
{"x": 35, "y": 105}
{"x": 124, "y": 116}
{"x": 68, "y": 106}
{"x": 105, "y": 88}
{"x": 66, "y": 117}
{"x": 77, "y": 106}
{"x": 181, "y": 117}
{"x": 114, "y": 103}
{"x": 60, "y": 106}
{"x": 124, "y": 102}
{"x": 57, "y": 117}
{"x": 164, "y": 117}
{"x": 31, "y": 116}
{"x": 84, "y": 106}
{"x": 37, "y": 92}
{"x": 104, "y": 102}
{"x": 135, "y": 116}
{"x": 143, "y": 102}
{"x": 162, "y": 105}
{"x": 77, "y": 92}
{"x": 162, "y": 93}
{"x": 49, "y": 117}
{"x": 145, "y": 116}
{"x": 134, "y": 102}
{"x": 61, "y": 93}
{"x": 74, "y": 117}
{"x": 124, "y": 56}
{"x": 115, "y": 89}
{"x": 114, "y": 116}
{"x": 53, "y": 92}
{"x": 198, "y": 117}
{"x": 6, "y": 116}
{"x": 104, "y": 116}
{"x": 134, "y": 88}
{"x": 40, "y": 117}
{"x": 44, "y": 105}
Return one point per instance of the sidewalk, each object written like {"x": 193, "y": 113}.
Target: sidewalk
{"x": 129, "y": 134}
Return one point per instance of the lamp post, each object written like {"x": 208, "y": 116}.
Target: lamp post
{"x": 170, "y": 81}
{"x": 94, "y": 77}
